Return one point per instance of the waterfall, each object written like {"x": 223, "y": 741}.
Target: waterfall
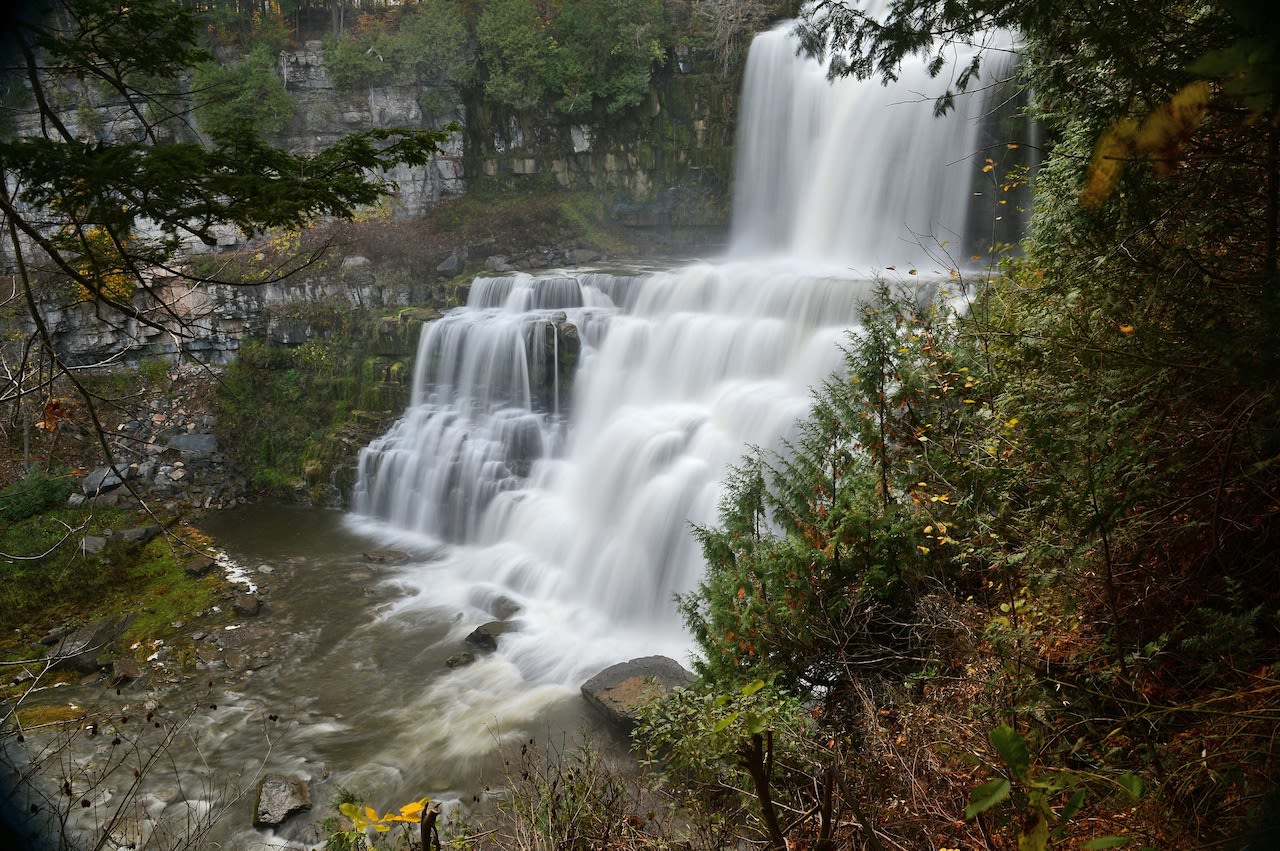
{"x": 855, "y": 171}
{"x": 566, "y": 429}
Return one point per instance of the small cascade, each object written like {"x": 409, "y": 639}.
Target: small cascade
{"x": 486, "y": 404}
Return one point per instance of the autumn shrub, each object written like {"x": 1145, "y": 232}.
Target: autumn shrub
{"x": 974, "y": 494}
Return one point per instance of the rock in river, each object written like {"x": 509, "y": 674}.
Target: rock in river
{"x": 619, "y": 691}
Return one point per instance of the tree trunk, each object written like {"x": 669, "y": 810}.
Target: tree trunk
{"x": 758, "y": 761}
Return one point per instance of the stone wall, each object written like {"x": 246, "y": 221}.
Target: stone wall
{"x": 678, "y": 144}
{"x": 668, "y": 163}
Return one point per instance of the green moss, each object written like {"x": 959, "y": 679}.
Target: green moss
{"x": 31, "y": 716}
{"x": 47, "y": 578}
{"x": 165, "y": 594}
{"x": 284, "y": 405}
{"x": 584, "y": 213}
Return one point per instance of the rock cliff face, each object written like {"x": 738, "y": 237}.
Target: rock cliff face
{"x": 210, "y": 321}
{"x": 666, "y": 163}
{"x": 324, "y": 114}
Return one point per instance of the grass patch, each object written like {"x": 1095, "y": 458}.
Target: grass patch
{"x": 490, "y": 220}
{"x": 584, "y": 214}
{"x": 47, "y": 578}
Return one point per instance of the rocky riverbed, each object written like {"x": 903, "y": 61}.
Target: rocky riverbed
{"x": 295, "y": 685}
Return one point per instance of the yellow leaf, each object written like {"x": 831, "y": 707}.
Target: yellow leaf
{"x": 414, "y": 808}
{"x": 1126, "y": 329}
{"x": 1159, "y": 139}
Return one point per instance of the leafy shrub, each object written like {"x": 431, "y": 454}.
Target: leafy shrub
{"x": 590, "y": 52}
{"x": 426, "y": 43}
{"x": 515, "y": 47}
{"x": 33, "y": 494}
{"x": 605, "y": 52}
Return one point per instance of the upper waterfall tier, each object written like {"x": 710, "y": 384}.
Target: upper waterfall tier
{"x": 854, "y": 171}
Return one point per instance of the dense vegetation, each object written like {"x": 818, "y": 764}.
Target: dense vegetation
{"x": 570, "y": 58}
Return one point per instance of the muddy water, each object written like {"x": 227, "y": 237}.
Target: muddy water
{"x": 362, "y": 691}
{"x": 323, "y": 684}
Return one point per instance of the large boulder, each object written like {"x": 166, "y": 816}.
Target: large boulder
{"x": 83, "y": 649}
{"x": 279, "y": 797}
{"x": 618, "y": 692}
{"x": 194, "y": 444}
{"x": 136, "y": 538}
{"x": 103, "y": 479}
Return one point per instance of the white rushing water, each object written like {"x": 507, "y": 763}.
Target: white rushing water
{"x": 567, "y": 429}
{"x": 854, "y": 171}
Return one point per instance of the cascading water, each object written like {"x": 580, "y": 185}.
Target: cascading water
{"x": 854, "y": 171}
{"x": 567, "y": 429}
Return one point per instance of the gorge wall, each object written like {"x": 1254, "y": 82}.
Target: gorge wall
{"x": 662, "y": 169}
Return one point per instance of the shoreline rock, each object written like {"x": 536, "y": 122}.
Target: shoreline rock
{"x": 620, "y": 691}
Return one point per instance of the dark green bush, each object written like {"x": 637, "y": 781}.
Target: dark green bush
{"x": 247, "y": 90}
{"x": 426, "y": 43}
{"x": 33, "y": 494}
